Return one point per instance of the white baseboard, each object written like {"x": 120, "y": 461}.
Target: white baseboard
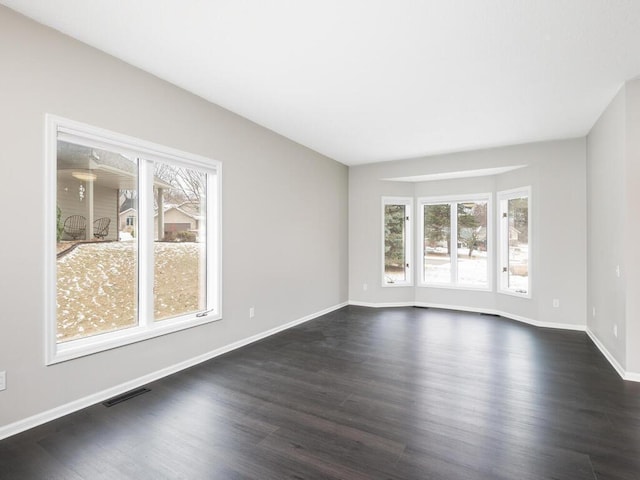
{"x": 74, "y": 406}
{"x": 381, "y": 305}
{"x": 488, "y": 311}
{"x": 630, "y": 376}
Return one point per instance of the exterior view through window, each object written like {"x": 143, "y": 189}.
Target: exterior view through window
{"x": 96, "y": 265}
{"x": 397, "y": 241}
{"x": 136, "y": 237}
{"x": 514, "y": 241}
{"x": 179, "y": 252}
{"x": 455, "y": 242}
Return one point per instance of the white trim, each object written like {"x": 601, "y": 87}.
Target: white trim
{"x": 502, "y": 199}
{"x": 629, "y": 376}
{"x": 381, "y": 305}
{"x": 511, "y": 316}
{"x": 91, "y": 136}
{"x": 57, "y": 412}
{"x": 408, "y": 250}
{"x": 50, "y": 237}
{"x": 146, "y": 153}
{"x": 625, "y": 375}
{"x": 488, "y": 311}
{"x": 453, "y": 201}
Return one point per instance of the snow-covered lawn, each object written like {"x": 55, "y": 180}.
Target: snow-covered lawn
{"x": 97, "y": 289}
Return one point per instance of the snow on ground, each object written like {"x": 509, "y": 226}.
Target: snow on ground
{"x": 97, "y": 286}
{"x": 472, "y": 271}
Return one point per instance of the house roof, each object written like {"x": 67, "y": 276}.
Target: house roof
{"x": 128, "y": 204}
{"x": 113, "y": 170}
{"x": 128, "y": 210}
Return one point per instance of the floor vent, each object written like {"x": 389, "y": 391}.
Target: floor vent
{"x": 420, "y": 306}
{"x": 124, "y": 397}
{"x": 489, "y": 314}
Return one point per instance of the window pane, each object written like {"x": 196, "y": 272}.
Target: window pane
{"x": 395, "y": 243}
{"x": 96, "y": 266}
{"x": 180, "y": 241}
{"x": 472, "y": 243}
{"x": 518, "y": 236}
{"x": 437, "y": 243}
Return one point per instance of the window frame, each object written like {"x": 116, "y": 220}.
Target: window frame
{"x": 453, "y": 201}
{"x": 409, "y": 270}
{"x": 147, "y": 153}
{"x": 503, "y": 244}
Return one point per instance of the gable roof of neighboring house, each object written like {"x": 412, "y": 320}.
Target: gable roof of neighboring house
{"x": 128, "y": 204}
{"x": 129, "y": 211}
{"x": 186, "y": 208}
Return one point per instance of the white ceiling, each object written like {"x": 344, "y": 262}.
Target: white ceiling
{"x": 370, "y": 80}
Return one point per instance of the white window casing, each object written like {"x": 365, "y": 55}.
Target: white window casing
{"x": 146, "y": 153}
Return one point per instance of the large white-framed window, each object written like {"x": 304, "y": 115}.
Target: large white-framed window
{"x": 514, "y": 266}
{"x": 397, "y": 213}
{"x": 455, "y": 241}
{"x": 110, "y": 281}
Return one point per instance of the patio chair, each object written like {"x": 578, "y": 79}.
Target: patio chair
{"x": 101, "y": 227}
{"x": 75, "y": 226}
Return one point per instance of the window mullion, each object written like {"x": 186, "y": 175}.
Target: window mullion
{"x": 454, "y": 242}
{"x": 212, "y": 223}
{"x": 145, "y": 243}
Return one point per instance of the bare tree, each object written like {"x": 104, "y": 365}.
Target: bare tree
{"x": 187, "y": 185}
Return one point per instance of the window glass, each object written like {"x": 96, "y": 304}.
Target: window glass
{"x": 437, "y": 243}
{"x": 515, "y": 247}
{"x": 455, "y": 235}
{"x": 180, "y": 232}
{"x": 472, "y": 243}
{"x": 96, "y": 271}
{"x": 518, "y": 241}
{"x": 395, "y": 243}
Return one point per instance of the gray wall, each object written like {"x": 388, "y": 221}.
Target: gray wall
{"x": 605, "y": 204}
{"x": 632, "y": 259}
{"x": 557, "y": 174}
{"x": 284, "y": 212}
{"x": 613, "y": 169}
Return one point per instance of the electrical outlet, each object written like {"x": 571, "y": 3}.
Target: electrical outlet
{"x": 618, "y": 271}
{"x": 365, "y": 287}
{"x": 556, "y": 303}
{"x": 252, "y": 312}
{"x": 3, "y": 380}
{"x": 594, "y": 312}
{"x": 615, "y": 331}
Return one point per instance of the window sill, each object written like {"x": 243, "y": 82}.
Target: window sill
{"x": 515, "y": 294}
{"x": 455, "y": 287}
{"x": 99, "y": 343}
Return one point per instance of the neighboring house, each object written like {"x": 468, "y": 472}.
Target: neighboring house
{"x": 128, "y": 220}
{"x": 179, "y": 218}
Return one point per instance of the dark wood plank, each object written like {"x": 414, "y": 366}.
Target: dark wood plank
{"x": 362, "y": 393}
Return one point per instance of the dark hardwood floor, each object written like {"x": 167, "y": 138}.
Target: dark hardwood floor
{"x": 362, "y": 393}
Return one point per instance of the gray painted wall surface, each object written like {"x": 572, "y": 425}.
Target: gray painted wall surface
{"x": 556, "y": 172}
{"x": 284, "y": 212}
{"x": 606, "y": 232}
{"x": 632, "y": 259}
{"x": 614, "y": 227}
